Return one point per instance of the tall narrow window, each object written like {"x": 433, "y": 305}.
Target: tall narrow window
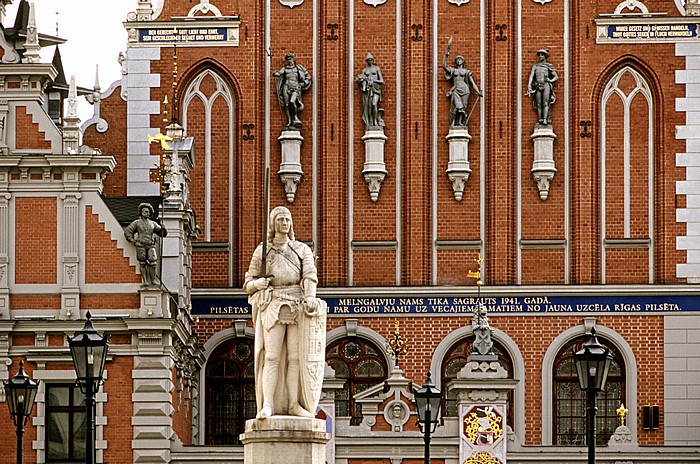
{"x": 65, "y": 424}
{"x": 362, "y": 365}
{"x": 627, "y": 166}
{"x": 230, "y": 391}
{"x": 456, "y": 359}
{"x": 570, "y": 400}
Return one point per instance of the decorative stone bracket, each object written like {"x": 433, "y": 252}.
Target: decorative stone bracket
{"x": 290, "y": 169}
{"x": 374, "y": 170}
{"x": 543, "y": 169}
{"x": 458, "y": 169}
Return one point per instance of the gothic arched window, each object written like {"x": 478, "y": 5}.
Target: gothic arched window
{"x": 456, "y": 359}
{"x": 230, "y": 391}
{"x": 570, "y": 400}
{"x": 362, "y": 365}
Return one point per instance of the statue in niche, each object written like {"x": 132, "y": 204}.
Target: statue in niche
{"x": 289, "y": 321}
{"x": 142, "y": 233}
{"x": 371, "y": 82}
{"x": 541, "y": 88}
{"x": 459, "y": 93}
{"x": 292, "y": 80}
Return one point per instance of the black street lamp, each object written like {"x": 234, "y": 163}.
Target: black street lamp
{"x": 592, "y": 365}
{"x": 89, "y": 351}
{"x": 428, "y": 400}
{"x": 20, "y": 392}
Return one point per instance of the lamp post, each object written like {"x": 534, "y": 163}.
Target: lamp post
{"x": 428, "y": 400}
{"x": 20, "y": 392}
{"x": 592, "y": 365}
{"x": 89, "y": 351}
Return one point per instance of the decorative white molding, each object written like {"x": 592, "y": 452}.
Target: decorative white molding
{"x": 292, "y": 3}
{"x": 290, "y": 168}
{"x": 376, "y": 3}
{"x": 31, "y": 55}
{"x": 631, "y": 5}
{"x": 458, "y": 169}
{"x": 542, "y": 2}
{"x": 204, "y": 7}
{"x": 461, "y": 2}
{"x": 543, "y": 169}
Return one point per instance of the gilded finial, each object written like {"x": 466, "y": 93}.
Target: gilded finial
{"x": 476, "y": 274}
{"x": 622, "y": 413}
{"x": 398, "y": 346}
{"x": 162, "y": 138}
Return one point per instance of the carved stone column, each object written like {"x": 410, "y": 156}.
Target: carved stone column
{"x": 458, "y": 169}
{"x": 4, "y": 257}
{"x": 374, "y": 170}
{"x": 543, "y": 169}
{"x": 290, "y": 169}
{"x": 70, "y": 282}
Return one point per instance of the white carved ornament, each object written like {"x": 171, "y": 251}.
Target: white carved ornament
{"x": 458, "y": 2}
{"x": 542, "y": 2}
{"x": 376, "y": 3}
{"x": 291, "y": 3}
{"x": 631, "y": 5}
{"x": 204, "y": 7}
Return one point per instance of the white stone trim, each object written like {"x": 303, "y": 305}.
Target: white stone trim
{"x": 547, "y": 379}
{"x": 690, "y": 160}
{"x": 515, "y": 356}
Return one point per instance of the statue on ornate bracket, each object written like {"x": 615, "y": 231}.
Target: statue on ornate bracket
{"x": 371, "y": 82}
{"x": 541, "y": 87}
{"x": 459, "y": 93}
{"x": 293, "y": 80}
{"x": 141, "y": 233}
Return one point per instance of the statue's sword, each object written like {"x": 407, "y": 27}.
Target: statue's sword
{"x": 265, "y": 224}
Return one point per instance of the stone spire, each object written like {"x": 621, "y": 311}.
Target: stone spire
{"x": 71, "y": 130}
{"x": 32, "y": 47}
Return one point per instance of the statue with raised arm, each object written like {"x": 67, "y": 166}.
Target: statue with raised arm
{"x": 370, "y": 83}
{"x": 461, "y": 79}
{"x": 142, "y": 234}
{"x": 289, "y": 321}
{"x": 541, "y": 88}
{"x": 292, "y": 80}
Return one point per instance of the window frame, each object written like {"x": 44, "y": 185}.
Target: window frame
{"x": 72, "y": 409}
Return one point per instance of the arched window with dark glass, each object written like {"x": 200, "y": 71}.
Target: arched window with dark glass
{"x": 570, "y": 401}
{"x": 455, "y": 360}
{"x": 362, "y": 365}
{"x": 230, "y": 391}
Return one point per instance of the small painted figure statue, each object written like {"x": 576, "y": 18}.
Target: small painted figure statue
{"x": 292, "y": 80}
{"x": 541, "y": 87}
{"x": 371, "y": 82}
{"x": 141, "y": 233}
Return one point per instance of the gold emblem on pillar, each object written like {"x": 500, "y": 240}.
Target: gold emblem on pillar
{"x": 482, "y": 457}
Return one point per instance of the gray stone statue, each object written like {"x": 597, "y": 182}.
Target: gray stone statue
{"x": 541, "y": 88}
{"x": 292, "y": 80}
{"x": 371, "y": 82}
{"x": 459, "y": 93}
{"x": 289, "y": 321}
{"x": 142, "y": 233}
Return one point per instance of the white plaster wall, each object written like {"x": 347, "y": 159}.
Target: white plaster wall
{"x": 682, "y": 380}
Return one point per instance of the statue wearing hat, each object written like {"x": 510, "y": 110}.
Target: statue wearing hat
{"x": 292, "y": 80}
{"x": 141, "y": 233}
{"x": 371, "y": 82}
{"x": 541, "y": 87}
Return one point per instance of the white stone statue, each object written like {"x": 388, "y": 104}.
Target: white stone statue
{"x": 289, "y": 321}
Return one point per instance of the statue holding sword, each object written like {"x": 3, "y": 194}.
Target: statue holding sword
{"x": 289, "y": 321}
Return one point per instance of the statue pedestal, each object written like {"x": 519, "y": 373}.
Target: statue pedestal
{"x": 154, "y": 302}
{"x": 374, "y": 170}
{"x": 458, "y": 169}
{"x": 290, "y": 169}
{"x": 288, "y": 439}
{"x": 543, "y": 169}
